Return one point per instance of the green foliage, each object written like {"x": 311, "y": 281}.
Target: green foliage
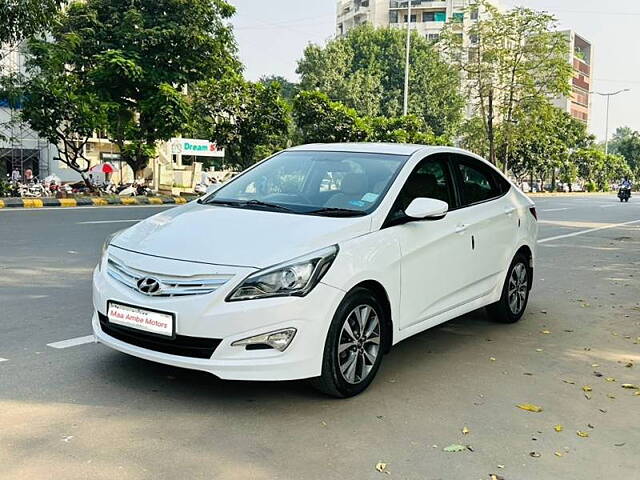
{"x": 409, "y": 129}
{"x": 250, "y": 120}
{"x": 319, "y": 120}
{"x": 516, "y": 62}
{"x": 364, "y": 70}
{"x": 21, "y": 19}
{"x": 287, "y": 89}
{"x": 541, "y": 142}
{"x": 137, "y": 57}
{"x": 626, "y": 142}
{"x": 599, "y": 169}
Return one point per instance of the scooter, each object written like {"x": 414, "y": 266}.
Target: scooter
{"x": 624, "y": 194}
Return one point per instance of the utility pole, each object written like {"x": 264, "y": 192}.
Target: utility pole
{"x": 609, "y": 95}
{"x": 405, "y": 110}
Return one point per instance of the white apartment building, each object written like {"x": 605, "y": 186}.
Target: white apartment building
{"x": 427, "y": 16}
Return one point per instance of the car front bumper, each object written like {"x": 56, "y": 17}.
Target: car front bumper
{"x": 210, "y": 317}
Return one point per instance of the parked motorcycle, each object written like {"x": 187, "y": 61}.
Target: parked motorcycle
{"x": 624, "y": 194}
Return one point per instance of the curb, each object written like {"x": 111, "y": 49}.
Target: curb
{"x": 90, "y": 201}
{"x": 568, "y": 194}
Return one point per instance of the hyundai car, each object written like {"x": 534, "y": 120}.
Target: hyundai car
{"x": 315, "y": 262}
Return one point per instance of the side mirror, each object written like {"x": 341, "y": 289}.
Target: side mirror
{"x": 427, "y": 209}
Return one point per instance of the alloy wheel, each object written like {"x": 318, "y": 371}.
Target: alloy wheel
{"x": 359, "y": 343}
{"x": 518, "y": 286}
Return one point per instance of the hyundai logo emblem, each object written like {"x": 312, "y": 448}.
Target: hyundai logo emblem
{"x": 148, "y": 286}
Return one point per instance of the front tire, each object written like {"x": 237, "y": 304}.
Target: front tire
{"x": 354, "y": 345}
{"x": 515, "y": 292}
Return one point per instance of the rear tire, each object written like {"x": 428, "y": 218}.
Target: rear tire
{"x": 354, "y": 345}
{"x": 515, "y": 292}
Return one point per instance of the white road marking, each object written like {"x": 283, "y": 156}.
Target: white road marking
{"x": 73, "y": 342}
{"x": 582, "y": 232}
{"x": 4, "y": 359}
{"x": 554, "y": 209}
{"x": 607, "y": 206}
{"x": 110, "y": 221}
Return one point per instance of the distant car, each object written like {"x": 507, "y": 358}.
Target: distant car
{"x": 314, "y": 262}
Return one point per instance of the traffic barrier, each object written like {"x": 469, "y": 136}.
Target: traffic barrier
{"x": 91, "y": 201}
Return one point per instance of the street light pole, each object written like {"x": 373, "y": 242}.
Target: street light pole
{"x": 609, "y": 95}
{"x": 405, "y": 109}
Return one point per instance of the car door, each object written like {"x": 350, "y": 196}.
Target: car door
{"x": 491, "y": 221}
{"x": 435, "y": 253}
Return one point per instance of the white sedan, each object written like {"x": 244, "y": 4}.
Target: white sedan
{"x": 316, "y": 261}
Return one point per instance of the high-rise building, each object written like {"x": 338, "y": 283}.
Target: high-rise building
{"x": 580, "y": 56}
{"x": 427, "y": 16}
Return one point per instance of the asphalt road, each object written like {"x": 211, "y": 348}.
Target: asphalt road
{"x": 89, "y": 412}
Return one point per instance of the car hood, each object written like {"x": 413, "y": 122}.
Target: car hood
{"x": 233, "y": 236}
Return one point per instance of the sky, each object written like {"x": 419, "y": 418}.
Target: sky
{"x": 272, "y": 35}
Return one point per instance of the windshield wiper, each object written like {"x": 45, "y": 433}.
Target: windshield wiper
{"x": 336, "y": 212}
{"x": 250, "y": 203}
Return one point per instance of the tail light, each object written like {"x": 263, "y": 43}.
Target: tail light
{"x": 533, "y": 212}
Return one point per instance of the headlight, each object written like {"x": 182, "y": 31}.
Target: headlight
{"x": 105, "y": 245}
{"x": 294, "y": 278}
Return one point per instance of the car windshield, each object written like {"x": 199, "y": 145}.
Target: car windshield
{"x": 313, "y": 183}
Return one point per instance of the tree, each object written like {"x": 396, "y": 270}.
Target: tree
{"x": 626, "y": 142}
{"x": 600, "y": 170}
{"x": 250, "y": 120}
{"x": 542, "y": 144}
{"x": 140, "y": 57}
{"x": 320, "y": 120}
{"x": 287, "y": 89}
{"x": 513, "y": 61}
{"x": 57, "y": 102}
{"x": 408, "y": 129}
{"x": 364, "y": 70}
{"x": 21, "y": 19}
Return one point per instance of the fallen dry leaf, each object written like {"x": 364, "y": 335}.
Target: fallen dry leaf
{"x": 558, "y": 454}
{"x": 611, "y": 395}
{"x": 582, "y": 434}
{"x": 630, "y": 386}
{"x": 610, "y": 379}
{"x": 594, "y": 365}
{"x": 493, "y": 359}
{"x": 558, "y": 428}
{"x": 535, "y": 454}
{"x": 381, "y": 467}
{"x": 529, "y": 407}
{"x": 539, "y": 350}
{"x": 587, "y": 396}
{"x": 619, "y": 444}
{"x": 587, "y": 388}
{"x": 570, "y": 382}
{"x": 545, "y": 332}
{"x": 465, "y": 430}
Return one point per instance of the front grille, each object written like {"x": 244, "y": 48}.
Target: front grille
{"x": 169, "y": 286}
{"x": 181, "y": 345}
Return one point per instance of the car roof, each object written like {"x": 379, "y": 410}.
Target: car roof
{"x": 386, "y": 148}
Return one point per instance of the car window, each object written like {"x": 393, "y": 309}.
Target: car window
{"x": 314, "y": 182}
{"x": 430, "y": 179}
{"x": 477, "y": 182}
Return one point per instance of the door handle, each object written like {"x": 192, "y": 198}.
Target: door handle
{"x": 461, "y": 228}
{"x": 509, "y": 210}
